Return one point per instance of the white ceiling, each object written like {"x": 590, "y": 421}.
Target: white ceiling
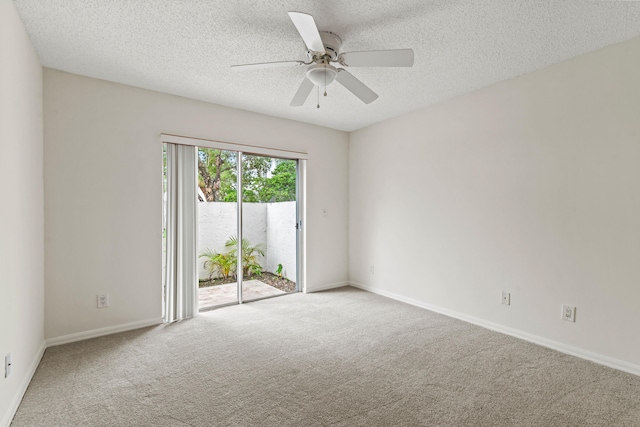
{"x": 185, "y": 47}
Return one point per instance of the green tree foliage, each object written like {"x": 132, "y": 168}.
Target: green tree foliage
{"x": 264, "y": 179}
{"x": 255, "y": 169}
{"x": 216, "y": 173}
{"x": 281, "y": 186}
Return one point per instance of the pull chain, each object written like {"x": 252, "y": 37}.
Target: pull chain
{"x": 318, "y": 87}
{"x": 325, "y": 80}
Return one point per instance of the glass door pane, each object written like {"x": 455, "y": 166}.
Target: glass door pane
{"x": 269, "y": 216}
{"x": 217, "y": 228}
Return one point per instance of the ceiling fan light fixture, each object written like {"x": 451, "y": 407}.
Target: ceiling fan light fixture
{"x": 325, "y": 47}
{"x": 322, "y": 74}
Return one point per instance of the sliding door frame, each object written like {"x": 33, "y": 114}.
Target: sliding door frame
{"x": 240, "y": 258}
{"x": 300, "y": 195}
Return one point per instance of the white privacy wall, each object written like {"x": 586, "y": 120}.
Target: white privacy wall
{"x": 270, "y": 224}
{"x": 281, "y": 238}
{"x": 21, "y": 210}
{"x": 103, "y": 195}
{"x": 218, "y": 221}
{"x": 531, "y": 186}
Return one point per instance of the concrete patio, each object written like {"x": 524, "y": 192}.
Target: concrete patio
{"x": 224, "y": 294}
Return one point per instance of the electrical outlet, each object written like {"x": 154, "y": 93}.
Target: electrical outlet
{"x": 568, "y": 313}
{"x": 7, "y": 365}
{"x": 103, "y": 300}
{"x": 372, "y": 269}
{"x": 506, "y": 298}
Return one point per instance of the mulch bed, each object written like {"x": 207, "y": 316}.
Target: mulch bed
{"x": 278, "y": 282}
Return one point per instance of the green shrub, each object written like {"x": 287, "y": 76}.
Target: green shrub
{"x": 250, "y": 254}
{"x": 222, "y": 264}
{"x": 225, "y": 264}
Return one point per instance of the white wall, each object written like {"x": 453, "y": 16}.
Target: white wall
{"x": 281, "y": 238}
{"x": 218, "y": 221}
{"x": 103, "y": 195}
{"x": 531, "y": 186}
{"x": 270, "y": 224}
{"x": 21, "y": 210}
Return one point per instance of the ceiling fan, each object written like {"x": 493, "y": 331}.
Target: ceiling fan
{"x": 323, "y": 50}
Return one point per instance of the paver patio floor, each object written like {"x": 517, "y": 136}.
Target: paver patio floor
{"x": 227, "y": 293}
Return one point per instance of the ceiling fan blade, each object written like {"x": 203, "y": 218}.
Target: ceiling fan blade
{"x": 378, "y": 58}
{"x": 277, "y": 64}
{"x": 355, "y": 86}
{"x": 308, "y": 31}
{"x": 302, "y": 94}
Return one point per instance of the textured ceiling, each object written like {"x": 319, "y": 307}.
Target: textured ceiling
{"x": 185, "y": 47}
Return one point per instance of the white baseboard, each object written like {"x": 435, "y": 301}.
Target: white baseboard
{"x": 15, "y": 403}
{"x": 326, "y": 287}
{"x": 65, "y": 339}
{"x": 545, "y": 342}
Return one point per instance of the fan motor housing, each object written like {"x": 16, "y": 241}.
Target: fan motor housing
{"x": 332, "y": 44}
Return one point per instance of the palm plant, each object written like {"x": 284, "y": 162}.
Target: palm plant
{"x": 222, "y": 264}
{"x": 250, "y": 254}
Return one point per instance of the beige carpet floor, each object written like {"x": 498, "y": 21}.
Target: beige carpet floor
{"x": 337, "y": 358}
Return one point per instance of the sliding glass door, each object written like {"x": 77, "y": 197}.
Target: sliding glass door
{"x": 232, "y": 224}
{"x": 217, "y": 226}
{"x": 247, "y": 227}
{"x": 269, "y": 218}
